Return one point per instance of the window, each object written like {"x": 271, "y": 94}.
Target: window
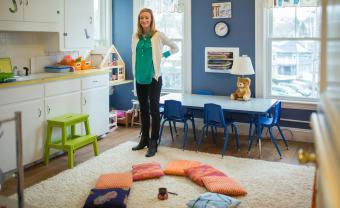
{"x": 292, "y": 51}
{"x": 102, "y": 23}
{"x": 170, "y": 19}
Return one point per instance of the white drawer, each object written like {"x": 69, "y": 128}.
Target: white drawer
{"x": 62, "y": 87}
{"x": 95, "y": 81}
{"x": 23, "y": 93}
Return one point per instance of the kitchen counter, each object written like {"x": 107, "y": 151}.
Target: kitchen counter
{"x": 49, "y": 77}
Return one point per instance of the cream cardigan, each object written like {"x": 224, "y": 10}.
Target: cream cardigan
{"x": 158, "y": 41}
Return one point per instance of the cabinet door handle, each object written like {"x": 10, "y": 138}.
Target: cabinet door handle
{"x": 95, "y": 81}
{"x": 1, "y": 132}
{"x": 48, "y": 109}
{"x": 86, "y": 34}
{"x": 85, "y": 101}
{"x": 91, "y": 20}
{"x": 15, "y": 9}
{"x": 20, "y": 2}
{"x": 39, "y": 112}
{"x": 26, "y": 2}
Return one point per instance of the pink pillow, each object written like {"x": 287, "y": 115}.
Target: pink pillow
{"x": 146, "y": 171}
{"x": 114, "y": 180}
{"x": 197, "y": 173}
{"x": 120, "y": 114}
{"x": 223, "y": 185}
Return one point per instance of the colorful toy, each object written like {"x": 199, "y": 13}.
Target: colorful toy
{"x": 243, "y": 89}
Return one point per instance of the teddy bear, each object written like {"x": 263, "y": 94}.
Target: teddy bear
{"x": 243, "y": 89}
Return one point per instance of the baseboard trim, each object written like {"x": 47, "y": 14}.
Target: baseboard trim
{"x": 291, "y": 134}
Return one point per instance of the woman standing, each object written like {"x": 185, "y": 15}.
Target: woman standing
{"x": 147, "y": 53}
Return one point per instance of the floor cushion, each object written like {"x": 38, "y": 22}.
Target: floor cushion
{"x": 196, "y": 173}
{"x": 107, "y": 198}
{"x": 213, "y": 200}
{"x": 146, "y": 171}
{"x": 223, "y": 185}
{"x": 114, "y": 180}
{"x": 177, "y": 167}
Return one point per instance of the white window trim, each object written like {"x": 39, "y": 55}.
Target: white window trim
{"x": 262, "y": 82}
{"x": 186, "y": 47}
{"x": 108, "y": 26}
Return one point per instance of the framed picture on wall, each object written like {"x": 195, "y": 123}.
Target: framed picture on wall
{"x": 220, "y": 59}
{"x": 221, "y": 10}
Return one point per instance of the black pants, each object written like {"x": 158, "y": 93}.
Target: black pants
{"x": 148, "y": 97}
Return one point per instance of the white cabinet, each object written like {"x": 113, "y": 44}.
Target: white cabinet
{"x": 78, "y": 24}
{"x": 28, "y": 100}
{"x": 17, "y": 12}
{"x": 31, "y": 10}
{"x": 95, "y": 102}
{"x": 42, "y": 10}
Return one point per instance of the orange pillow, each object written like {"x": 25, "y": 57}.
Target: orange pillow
{"x": 146, "y": 171}
{"x": 196, "y": 173}
{"x": 223, "y": 185}
{"x": 114, "y": 180}
{"x": 177, "y": 167}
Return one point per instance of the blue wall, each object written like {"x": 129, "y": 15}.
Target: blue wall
{"x": 122, "y": 29}
{"x": 241, "y": 35}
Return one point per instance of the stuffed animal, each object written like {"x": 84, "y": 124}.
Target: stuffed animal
{"x": 243, "y": 90}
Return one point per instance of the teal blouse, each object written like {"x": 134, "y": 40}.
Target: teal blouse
{"x": 144, "y": 64}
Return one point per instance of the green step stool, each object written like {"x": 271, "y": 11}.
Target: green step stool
{"x": 73, "y": 142}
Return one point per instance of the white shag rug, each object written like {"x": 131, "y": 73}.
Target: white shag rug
{"x": 269, "y": 184}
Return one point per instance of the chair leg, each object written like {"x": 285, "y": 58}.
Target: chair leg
{"x": 282, "y": 136}
{"x": 213, "y": 134}
{"x": 47, "y": 145}
{"x": 236, "y": 136}
{"x": 185, "y": 141}
{"x": 274, "y": 141}
{"x": 174, "y": 122}
{"x": 225, "y": 141}
{"x": 70, "y": 161}
{"x": 256, "y": 136}
{"x": 194, "y": 131}
{"x": 201, "y": 138}
{"x": 250, "y": 131}
{"x": 172, "y": 136}
{"x": 95, "y": 147}
{"x": 161, "y": 132}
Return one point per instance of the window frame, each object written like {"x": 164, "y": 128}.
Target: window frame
{"x": 186, "y": 44}
{"x": 263, "y": 71}
{"x": 108, "y": 26}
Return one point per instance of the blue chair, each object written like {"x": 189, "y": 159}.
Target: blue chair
{"x": 161, "y": 112}
{"x": 173, "y": 112}
{"x": 269, "y": 122}
{"x": 214, "y": 117}
{"x": 203, "y": 92}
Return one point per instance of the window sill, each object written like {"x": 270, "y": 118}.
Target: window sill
{"x": 299, "y": 105}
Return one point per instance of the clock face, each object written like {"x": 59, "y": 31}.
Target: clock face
{"x": 221, "y": 29}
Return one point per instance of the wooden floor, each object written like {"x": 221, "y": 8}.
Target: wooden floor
{"x": 40, "y": 172}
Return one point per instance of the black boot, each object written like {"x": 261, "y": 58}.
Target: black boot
{"x": 144, "y": 142}
{"x": 152, "y": 148}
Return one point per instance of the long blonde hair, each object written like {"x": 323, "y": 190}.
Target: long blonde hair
{"x": 152, "y": 25}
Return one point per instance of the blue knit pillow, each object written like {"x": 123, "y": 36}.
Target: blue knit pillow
{"x": 209, "y": 200}
{"x": 107, "y": 198}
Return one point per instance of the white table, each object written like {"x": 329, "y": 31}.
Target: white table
{"x": 253, "y": 107}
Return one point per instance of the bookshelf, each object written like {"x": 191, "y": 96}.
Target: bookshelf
{"x": 220, "y": 59}
{"x": 109, "y": 59}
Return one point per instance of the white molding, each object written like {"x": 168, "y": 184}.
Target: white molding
{"x": 259, "y": 50}
{"x": 187, "y": 64}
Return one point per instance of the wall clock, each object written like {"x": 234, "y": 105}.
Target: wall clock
{"x": 221, "y": 29}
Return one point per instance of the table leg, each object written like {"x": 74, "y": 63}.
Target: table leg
{"x": 258, "y": 134}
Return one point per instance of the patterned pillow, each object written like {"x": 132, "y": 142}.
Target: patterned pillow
{"x": 146, "y": 171}
{"x": 223, "y": 185}
{"x": 177, "y": 167}
{"x": 107, "y": 198}
{"x": 114, "y": 180}
{"x": 196, "y": 173}
{"x": 209, "y": 200}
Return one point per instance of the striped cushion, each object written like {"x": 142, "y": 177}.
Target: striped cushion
{"x": 223, "y": 185}
{"x": 196, "y": 173}
{"x": 146, "y": 171}
{"x": 114, "y": 180}
{"x": 177, "y": 167}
